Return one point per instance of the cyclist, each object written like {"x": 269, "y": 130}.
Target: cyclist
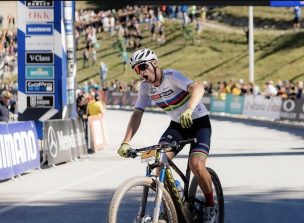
{"x": 181, "y": 98}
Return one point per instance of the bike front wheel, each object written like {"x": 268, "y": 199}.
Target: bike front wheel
{"x": 127, "y": 203}
{"x": 197, "y": 198}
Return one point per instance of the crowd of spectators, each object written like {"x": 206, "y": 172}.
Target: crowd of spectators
{"x": 283, "y": 89}
{"x": 128, "y": 24}
{"x": 8, "y": 52}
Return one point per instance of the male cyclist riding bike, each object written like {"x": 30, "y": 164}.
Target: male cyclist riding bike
{"x": 181, "y": 98}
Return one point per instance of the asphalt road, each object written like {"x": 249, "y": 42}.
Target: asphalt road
{"x": 260, "y": 166}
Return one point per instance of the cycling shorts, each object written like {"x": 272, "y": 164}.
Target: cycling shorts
{"x": 201, "y": 130}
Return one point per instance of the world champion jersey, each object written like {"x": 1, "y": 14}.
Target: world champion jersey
{"x": 172, "y": 95}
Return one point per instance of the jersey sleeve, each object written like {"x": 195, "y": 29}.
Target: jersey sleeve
{"x": 143, "y": 99}
{"x": 180, "y": 80}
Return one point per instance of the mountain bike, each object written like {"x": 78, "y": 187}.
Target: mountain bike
{"x": 156, "y": 199}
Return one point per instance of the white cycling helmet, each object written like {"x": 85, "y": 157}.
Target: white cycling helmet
{"x": 142, "y": 55}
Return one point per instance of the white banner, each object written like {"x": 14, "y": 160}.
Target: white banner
{"x": 39, "y": 43}
{"x": 261, "y": 106}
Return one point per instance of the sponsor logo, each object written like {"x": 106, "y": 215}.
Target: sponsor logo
{"x": 39, "y": 43}
{"x": 68, "y": 3}
{"x": 52, "y": 142}
{"x": 39, "y": 29}
{"x": 68, "y": 27}
{"x": 36, "y": 101}
{"x": 17, "y": 148}
{"x": 167, "y": 93}
{"x": 153, "y": 90}
{"x": 40, "y": 15}
{"x": 70, "y": 42}
{"x": 68, "y": 15}
{"x": 39, "y": 4}
{"x": 163, "y": 94}
{"x": 289, "y": 105}
{"x": 155, "y": 97}
{"x": 67, "y": 142}
{"x": 40, "y": 72}
{"x": 40, "y": 86}
{"x": 39, "y": 58}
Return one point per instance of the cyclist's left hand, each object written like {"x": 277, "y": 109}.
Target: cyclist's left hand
{"x": 186, "y": 118}
{"x": 123, "y": 149}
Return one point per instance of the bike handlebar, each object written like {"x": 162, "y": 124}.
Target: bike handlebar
{"x": 175, "y": 144}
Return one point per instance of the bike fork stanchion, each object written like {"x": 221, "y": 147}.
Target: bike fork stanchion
{"x": 158, "y": 200}
{"x": 142, "y": 208}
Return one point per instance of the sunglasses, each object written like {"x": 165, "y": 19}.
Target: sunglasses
{"x": 141, "y": 67}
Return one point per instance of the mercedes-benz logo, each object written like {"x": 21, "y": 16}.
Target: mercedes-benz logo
{"x": 52, "y": 142}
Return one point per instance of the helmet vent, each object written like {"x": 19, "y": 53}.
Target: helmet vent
{"x": 141, "y": 56}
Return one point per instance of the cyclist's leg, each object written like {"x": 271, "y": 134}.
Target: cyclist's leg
{"x": 199, "y": 151}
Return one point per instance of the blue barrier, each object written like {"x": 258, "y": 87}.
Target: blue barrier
{"x": 19, "y": 150}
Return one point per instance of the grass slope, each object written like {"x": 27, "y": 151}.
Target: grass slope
{"x": 221, "y": 54}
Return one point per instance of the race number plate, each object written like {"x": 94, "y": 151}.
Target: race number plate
{"x": 147, "y": 156}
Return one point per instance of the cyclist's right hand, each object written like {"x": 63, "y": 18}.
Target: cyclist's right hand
{"x": 124, "y": 149}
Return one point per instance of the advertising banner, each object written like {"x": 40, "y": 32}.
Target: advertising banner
{"x": 259, "y": 105}
{"x": 40, "y": 15}
{"x": 39, "y": 86}
{"x": 63, "y": 140}
{"x": 234, "y": 104}
{"x": 217, "y": 104}
{"x": 6, "y": 170}
{"x": 207, "y": 101}
{"x": 42, "y": 101}
{"x": 39, "y": 43}
{"x": 133, "y": 98}
{"x": 39, "y": 72}
{"x": 300, "y": 110}
{"x": 39, "y": 58}
{"x": 39, "y": 29}
{"x": 81, "y": 146}
{"x": 57, "y": 141}
{"x": 116, "y": 98}
{"x": 289, "y": 109}
{"x": 96, "y": 132}
{"x": 19, "y": 150}
{"x": 38, "y": 4}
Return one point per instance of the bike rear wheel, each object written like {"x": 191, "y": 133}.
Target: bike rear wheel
{"x": 197, "y": 198}
{"x": 126, "y": 202}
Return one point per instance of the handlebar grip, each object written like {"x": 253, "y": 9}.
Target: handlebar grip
{"x": 132, "y": 153}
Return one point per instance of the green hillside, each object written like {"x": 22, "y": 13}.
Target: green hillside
{"x": 220, "y": 54}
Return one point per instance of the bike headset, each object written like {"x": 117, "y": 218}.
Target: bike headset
{"x": 144, "y": 55}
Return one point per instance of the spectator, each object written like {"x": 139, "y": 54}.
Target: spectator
{"x": 125, "y": 59}
{"x": 297, "y": 18}
{"x": 81, "y": 104}
{"x": 86, "y": 56}
{"x": 292, "y": 94}
{"x": 270, "y": 90}
{"x": 5, "y": 106}
{"x": 94, "y": 55}
{"x": 103, "y": 72}
{"x": 1, "y": 21}
{"x": 300, "y": 92}
{"x": 246, "y": 31}
{"x": 95, "y": 107}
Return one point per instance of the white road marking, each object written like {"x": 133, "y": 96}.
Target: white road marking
{"x": 36, "y": 198}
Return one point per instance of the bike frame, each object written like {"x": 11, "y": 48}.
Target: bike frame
{"x": 166, "y": 181}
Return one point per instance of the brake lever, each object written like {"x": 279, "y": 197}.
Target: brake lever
{"x": 132, "y": 153}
